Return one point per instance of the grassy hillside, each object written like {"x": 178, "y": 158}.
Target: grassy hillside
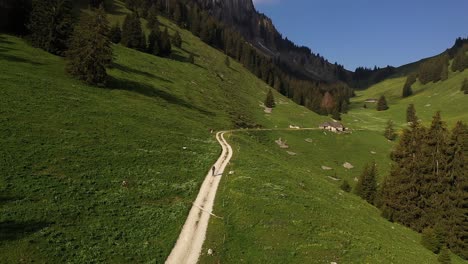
{"x": 282, "y": 208}
{"x": 444, "y": 96}
{"x": 67, "y": 148}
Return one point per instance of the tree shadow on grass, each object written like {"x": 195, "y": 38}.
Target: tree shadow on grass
{"x": 126, "y": 69}
{"x": 5, "y": 198}
{"x": 148, "y": 90}
{"x": 13, "y": 58}
{"x": 3, "y": 40}
{"x": 12, "y": 230}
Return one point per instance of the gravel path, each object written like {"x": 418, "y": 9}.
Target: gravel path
{"x": 190, "y": 242}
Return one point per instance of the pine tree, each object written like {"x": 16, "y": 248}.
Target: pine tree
{"x": 366, "y": 187}
{"x": 90, "y": 50}
{"x": 153, "y": 42}
{"x": 433, "y": 171}
{"x": 390, "y": 133}
{"x": 382, "y": 104}
{"x": 345, "y": 186}
{"x": 407, "y": 90}
{"x": 152, "y": 18}
{"x": 178, "y": 14}
{"x": 400, "y": 197}
{"x": 132, "y": 34}
{"x": 165, "y": 46}
{"x": 116, "y": 34}
{"x": 464, "y": 86}
{"x": 444, "y": 73}
{"x": 460, "y": 62}
{"x": 344, "y": 107}
{"x": 270, "y": 100}
{"x": 411, "y": 114}
{"x": 51, "y": 24}
{"x": 430, "y": 240}
{"x": 444, "y": 256}
{"x": 177, "y": 40}
{"x": 455, "y": 209}
{"x": 336, "y": 115}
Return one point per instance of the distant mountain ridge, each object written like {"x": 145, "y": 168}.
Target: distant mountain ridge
{"x": 260, "y": 31}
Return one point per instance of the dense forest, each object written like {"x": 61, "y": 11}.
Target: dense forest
{"x": 427, "y": 186}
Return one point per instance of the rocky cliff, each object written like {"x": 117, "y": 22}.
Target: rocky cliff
{"x": 260, "y": 31}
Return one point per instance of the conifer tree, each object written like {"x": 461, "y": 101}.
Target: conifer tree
{"x": 430, "y": 240}
{"x": 336, "y": 115}
{"x": 366, "y": 187}
{"x": 390, "y": 133}
{"x": 132, "y": 34}
{"x": 400, "y": 197}
{"x": 152, "y": 18}
{"x": 345, "y": 186}
{"x": 464, "y": 86}
{"x": 51, "y": 24}
{"x": 165, "y": 46}
{"x": 444, "y": 256}
{"x": 460, "y": 62}
{"x": 444, "y": 73}
{"x": 116, "y": 33}
{"x": 270, "y": 100}
{"x": 344, "y": 107}
{"x": 433, "y": 171}
{"x": 90, "y": 50}
{"x": 177, "y": 40}
{"x": 178, "y": 14}
{"x": 411, "y": 114}
{"x": 407, "y": 90}
{"x": 456, "y": 182}
{"x": 382, "y": 104}
{"x": 153, "y": 42}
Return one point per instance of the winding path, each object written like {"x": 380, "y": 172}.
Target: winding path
{"x": 189, "y": 244}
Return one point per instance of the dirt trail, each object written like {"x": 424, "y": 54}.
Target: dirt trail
{"x": 190, "y": 242}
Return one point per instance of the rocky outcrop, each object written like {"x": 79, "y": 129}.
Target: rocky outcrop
{"x": 260, "y": 31}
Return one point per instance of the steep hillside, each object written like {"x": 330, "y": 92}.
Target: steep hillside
{"x": 281, "y": 206}
{"x": 108, "y": 174}
{"x": 444, "y": 96}
{"x": 260, "y": 31}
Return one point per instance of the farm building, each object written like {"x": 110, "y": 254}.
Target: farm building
{"x": 333, "y": 126}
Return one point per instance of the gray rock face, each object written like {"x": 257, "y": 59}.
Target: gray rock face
{"x": 259, "y": 30}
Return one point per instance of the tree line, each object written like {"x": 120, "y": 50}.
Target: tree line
{"x": 437, "y": 68}
{"x": 427, "y": 187}
{"x": 50, "y": 23}
{"x": 273, "y": 71}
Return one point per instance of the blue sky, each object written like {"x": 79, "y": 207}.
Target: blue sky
{"x": 370, "y": 32}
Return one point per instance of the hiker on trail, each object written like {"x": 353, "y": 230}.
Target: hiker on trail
{"x": 213, "y": 170}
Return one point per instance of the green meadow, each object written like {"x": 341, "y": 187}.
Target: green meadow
{"x": 444, "y": 96}
{"x": 108, "y": 175}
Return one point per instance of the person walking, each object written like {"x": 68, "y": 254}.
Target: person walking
{"x": 213, "y": 170}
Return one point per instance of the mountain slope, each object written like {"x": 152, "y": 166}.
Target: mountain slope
{"x": 260, "y": 31}
{"x": 108, "y": 174}
{"x": 444, "y": 96}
